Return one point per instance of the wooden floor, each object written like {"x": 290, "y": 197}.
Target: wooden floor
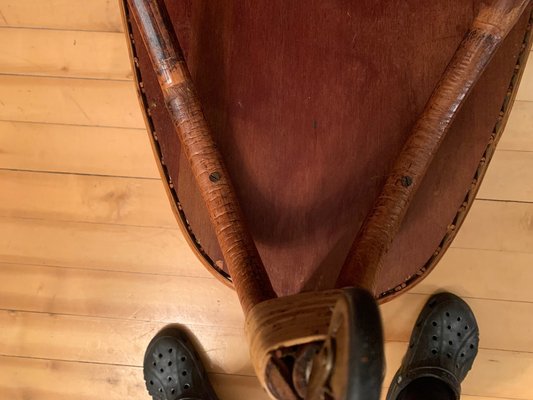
{"x": 92, "y": 263}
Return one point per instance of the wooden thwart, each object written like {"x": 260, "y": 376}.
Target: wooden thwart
{"x": 364, "y": 262}
{"x": 246, "y": 268}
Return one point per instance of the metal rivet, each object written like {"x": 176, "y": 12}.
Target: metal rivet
{"x": 406, "y": 181}
{"x": 214, "y": 177}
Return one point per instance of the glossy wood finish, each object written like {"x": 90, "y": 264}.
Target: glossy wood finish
{"x": 364, "y": 263}
{"x": 211, "y": 175}
{"x": 304, "y": 223}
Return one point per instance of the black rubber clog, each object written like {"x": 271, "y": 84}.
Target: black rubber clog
{"x": 443, "y": 345}
{"x": 173, "y": 370}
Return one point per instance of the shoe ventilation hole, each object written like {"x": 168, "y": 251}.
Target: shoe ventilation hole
{"x": 172, "y": 391}
{"x": 458, "y": 319}
{"x": 462, "y": 354}
{"x": 170, "y": 350}
{"x": 434, "y": 351}
{"x": 458, "y": 334}
{"x": 435, "y": 337}
{"x": 186, "y": 386}
{"x": 170, "y": 363}
{"x": 160, "y": 355}
{"x": 151, "y": 382}
{"x": 160, "y": 390}
{"x": 449, "y": 327}
{"x": 183, "y": 359}
{"x": 466, "y": 327}
{"x": 169, "y": 379}
{"x": 449, "y": 355}
{"x": 155, "y": 364}
{"x": 184, "y": 373}
{"x": 434, "y": 323}
{"x": 472, "y": 346}
{"x": 447, "y": 314}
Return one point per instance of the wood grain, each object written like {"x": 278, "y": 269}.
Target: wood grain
{"x": 518, "y": 135}
{"x": 130, "y": 201}
{"x": 94, "y": 318}
{"x": 120, "y": 342}
{"x": 488, "y": 274}
{"x": 400, "y": 316}
{"x": 365, "y": 261}
{"x": 98, "y": 246}
{"x": 525, "y": 93}
{"x": 304, "y": 223}
{"x": 502, "y": 377}
{"x": 164, "y": 251}
{"x": 509, "y": 225}
{"x": 248, "y": 272}
{"x": 74, "y": 149}
{"x": 508, "y": 177}
{"x": 82, "y": 198}
{"x": 119, "y": 295}
{"x": 69, "y": 101}
{"x": 86, "y": 381}
{"x": 94, "y": 15}
{"x": 64, "y": 53}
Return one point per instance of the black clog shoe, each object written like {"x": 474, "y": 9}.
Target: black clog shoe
{"x": 443, "y": 345}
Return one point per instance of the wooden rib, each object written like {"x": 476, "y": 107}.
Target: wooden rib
{"x": 94, "y": 15}
{"x": 245, "y": 266}
{"x": 74, "y": 149}
{"x": 364, "y": 261}
{"x": 64, "y": 53}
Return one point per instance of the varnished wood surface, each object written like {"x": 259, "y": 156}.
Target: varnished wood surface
{"x": 331, "y": 169}
{"x": 211, "y": 176}
{"x": 364, "y": 264}
{"x": 88, "y": 273}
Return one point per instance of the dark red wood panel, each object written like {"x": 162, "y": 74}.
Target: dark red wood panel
{"x": 310, "y": 103}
